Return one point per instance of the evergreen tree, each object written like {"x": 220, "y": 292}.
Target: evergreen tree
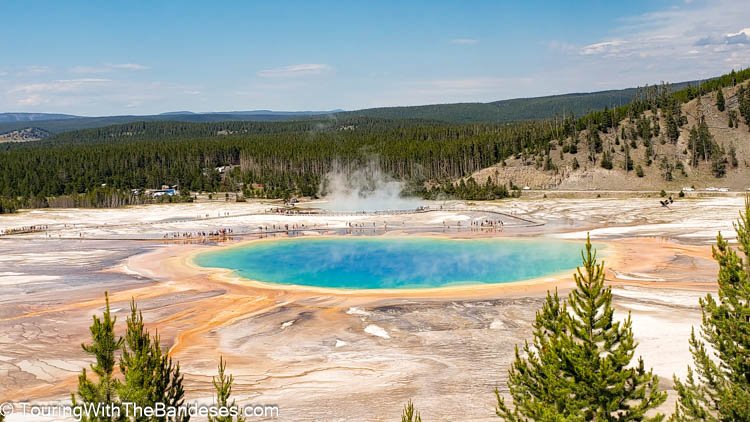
{"x": 538, "y": 384}
{"x": 628, "y": 165}
{"x": 701, "y": 144}
{"x": 673, "y": 129}
{"x": 102, "y": 391}
{"x": 733, "y": 121}
{"x": 718, "y": 389}
{"x": 410, "y": 414}
{"x": 733, "y": 156}
{"x": 169, "y": 389}
{"x": 720, "y": 103}
{"x": 223, "y": 387}
{"x": 578, "y": 367}
{"x": 150, "y": 376}
{"x": 137, "y": 363}
{"x": 594, "y": 143}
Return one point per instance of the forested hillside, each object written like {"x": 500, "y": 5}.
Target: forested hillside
{"x": 661, "y": 135}
{"x": 514, "y": 110}
{"x": 285, "y": 158}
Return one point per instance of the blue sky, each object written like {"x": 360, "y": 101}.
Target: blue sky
{"x": 132, "y": 57}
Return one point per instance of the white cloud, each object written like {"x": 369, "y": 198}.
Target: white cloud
{"x": 108, "y": 67}
{"x": 464, "y": 41}
{"x": 128, "y": 66}
{"x": 32, "y": 100}
{"x": 96, "y": 96}
{"x": 35, "y": 94}
{"x": 741, "y": 37}
{"x": 89, "y": 69}
{"x": 63, "y": 85}
{"x": 35, "y": 70}
{"x": 296, "y": 70}
{"x": 684, "y": 42}
{"x": 638, "y": 50}
{"x": 603, "y": 48}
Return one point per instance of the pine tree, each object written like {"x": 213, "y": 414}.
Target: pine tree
{"x": 673, "y": 129}
{"x": 169, "y": 389}
{"x": 150, "y": 376}
{"x": 137, "y": 363}
{"x": 718, "y": 389}
{"x": 720, "y": 104}
{"x": 538, "y": 384}
{"x": 101, "y": 391}
{"x": 410, "y": 414}
{"x": 223, "y": 387}
{"x": 628, "y": 165}
{"x": 579, "y": 365}
{"x": 701, "y": 144}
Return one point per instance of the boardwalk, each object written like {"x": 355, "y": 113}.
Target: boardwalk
{"x": 203, "y": 226}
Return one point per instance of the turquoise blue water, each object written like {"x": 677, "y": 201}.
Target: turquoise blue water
{"x": 393, "y": 263}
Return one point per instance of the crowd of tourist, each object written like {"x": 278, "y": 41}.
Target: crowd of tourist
{"x": 219, "y": 233}
{"x": 24, "y": 229}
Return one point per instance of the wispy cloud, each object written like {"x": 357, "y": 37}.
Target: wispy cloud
{"x": 36, "y": 69}
{"x": 296, "y": 70}
{"x": 62, "y": 85}
{"x": 107, "y": 67}
{"x": 464, "y": 41}
{"x": 128, "y": 66}
{"x": 91, "y": 95}
{"x": 603, "y": 48}
{"x": 43, "y": 93}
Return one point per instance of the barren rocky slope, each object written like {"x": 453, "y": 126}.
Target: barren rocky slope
{"x": 530, "y": 171}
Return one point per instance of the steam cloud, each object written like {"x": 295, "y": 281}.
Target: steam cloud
{"x": 365, "y": 188}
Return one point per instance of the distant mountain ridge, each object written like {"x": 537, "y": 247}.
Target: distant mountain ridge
{"x": 58, "y": 125}
{"x": 503, "y": 111}
{"x": 253, "y": 113}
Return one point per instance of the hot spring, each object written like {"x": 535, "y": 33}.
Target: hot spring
{"x": 394, "y": 263}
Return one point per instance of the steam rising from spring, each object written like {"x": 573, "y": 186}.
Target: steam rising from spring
{"x": 365, "y": 188}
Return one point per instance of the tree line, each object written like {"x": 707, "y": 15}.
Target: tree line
{"x": 284, "y": 159}
{"x": 271, "y": 165}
